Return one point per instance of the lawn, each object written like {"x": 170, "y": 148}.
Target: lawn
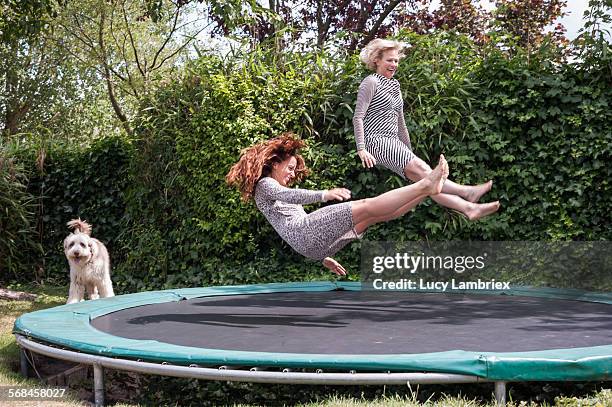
{"x": 129, "y": 388}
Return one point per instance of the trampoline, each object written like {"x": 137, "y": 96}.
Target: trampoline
{"x": 335, "y": 333}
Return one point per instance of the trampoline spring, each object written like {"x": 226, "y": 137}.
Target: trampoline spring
{"x": 165, "y": 363}
{"x": 287, "y": 370}
{"x": 254, "y": 369}
{"x": 194, "y": 365}
{"x": 319, "y": 371}
{"x": 352, "y": 371}
{"x": 223, "y": 367}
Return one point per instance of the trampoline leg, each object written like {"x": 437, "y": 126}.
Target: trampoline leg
{"x": 23, "y": 362}
{"x": 500, "y": 393}
{"x": 98, "y": 385}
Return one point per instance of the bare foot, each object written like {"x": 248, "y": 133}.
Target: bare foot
{"x": 477, "y": 211}
{"x": 477, "y": 191}
{"x": 434, "y": 181}
{"x": 334, "y": 266}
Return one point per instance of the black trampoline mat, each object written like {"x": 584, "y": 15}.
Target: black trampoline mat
{"x": 358, "y": 322}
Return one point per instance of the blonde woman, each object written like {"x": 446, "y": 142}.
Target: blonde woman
{"x": 382, "y": 137}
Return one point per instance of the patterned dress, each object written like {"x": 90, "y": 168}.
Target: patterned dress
{"x": 316, "y": 235}
{"x": 379, "y": 123}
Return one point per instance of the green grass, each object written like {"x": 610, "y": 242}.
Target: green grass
{"x": 53, "y": 296}
{"x": 9, "y": 351}
{"x": 10, "y": 310}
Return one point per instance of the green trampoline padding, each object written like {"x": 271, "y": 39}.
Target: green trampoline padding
{"x": 70, "y": 326}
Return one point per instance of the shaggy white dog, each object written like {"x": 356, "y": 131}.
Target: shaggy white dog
{"x": 89, "y": 264}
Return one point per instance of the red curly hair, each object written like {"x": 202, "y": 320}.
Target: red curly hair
{"x": 257, "y": 161}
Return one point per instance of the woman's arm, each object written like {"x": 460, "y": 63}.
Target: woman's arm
{"x": 402, "y": 129}
{"x": 367, "y": 89}
{"x": 269, "y": 188}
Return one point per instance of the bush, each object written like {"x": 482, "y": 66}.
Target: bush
{"x": 476, "y": 107}
{"x": 71, "y": 182}
{"x": 160, "y": 201}
{"x": 19, "y": 247}
{"x": 544, "y": 132}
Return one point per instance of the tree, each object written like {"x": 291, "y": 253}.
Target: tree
{"x": 514, "y": 23}
{"x": 525, "y": 21}
{"x": 593, "y": 47}
{"x": 22, "y": 73}
{"x": 44, "y": 91}
{"x": 364, "y": 19}
{"x": 130, "y": 44}
{"x": 24, "y": 18}
{"x": 464, "y": 16}
{"x": 352, "y": 23}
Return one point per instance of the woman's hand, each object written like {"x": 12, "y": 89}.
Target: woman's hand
{"x": 338, "y": 194}
{"x": 334, "y": 266}
{"x": 367, "y": 159}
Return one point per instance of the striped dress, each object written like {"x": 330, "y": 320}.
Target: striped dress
{"x": 379, "y": 123}
{"x": 315, "y": 235}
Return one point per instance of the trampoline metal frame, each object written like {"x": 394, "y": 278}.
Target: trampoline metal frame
{"x": 255, "y": 375}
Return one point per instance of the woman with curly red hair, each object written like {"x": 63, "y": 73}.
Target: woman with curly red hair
{"x": 264, "y": 173}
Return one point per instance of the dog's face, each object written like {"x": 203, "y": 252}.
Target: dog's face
{"x": 79, "y": 248}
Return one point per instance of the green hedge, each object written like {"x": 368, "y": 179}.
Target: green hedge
{"x": 546, "y": 135}
{"x": 458, "y": 102}
{"x": 192, "y": 227}
{"x": 19, "y": 247}
{"x": 540, "y": 130}
{"x": 86, "y": 182}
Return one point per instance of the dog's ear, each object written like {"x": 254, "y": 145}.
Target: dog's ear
{"x": 93, "y": 248}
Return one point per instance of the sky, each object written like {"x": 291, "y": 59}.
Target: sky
{"x": 573, "y": 21}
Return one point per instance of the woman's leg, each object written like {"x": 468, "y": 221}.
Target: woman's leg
{"x": 397, "y": 202}
{"x": 462, "y": 198}
{"x": 363, "y": 226}
{"x": 417, "y": 169}
{"x": 336, "y": 267}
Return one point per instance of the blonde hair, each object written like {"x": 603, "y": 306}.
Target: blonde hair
{"x": 375, "y": 49}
